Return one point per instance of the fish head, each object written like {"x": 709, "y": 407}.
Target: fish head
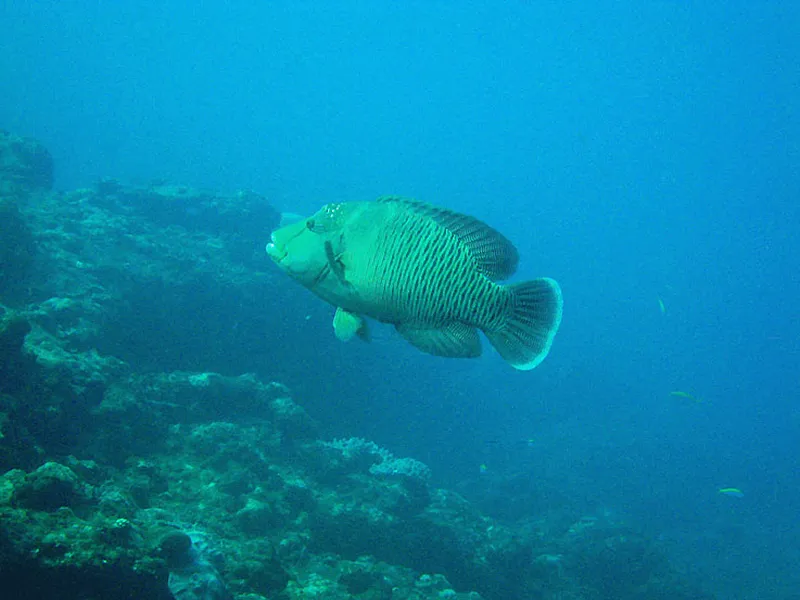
{"x": 304, "y": 249}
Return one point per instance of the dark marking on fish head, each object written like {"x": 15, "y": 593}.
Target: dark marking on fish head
{"x": 310, "y": 249}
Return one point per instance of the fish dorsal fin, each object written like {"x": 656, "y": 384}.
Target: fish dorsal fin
{"x": 495, "y": 255}
{"x": 454, "y": 340}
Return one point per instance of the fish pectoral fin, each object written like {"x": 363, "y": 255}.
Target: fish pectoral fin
{"x": 346, "y": 325}
{"x": 335, "y": 263}
{"x": 454, "y": 340}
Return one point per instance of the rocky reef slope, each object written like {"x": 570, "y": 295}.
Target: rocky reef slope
{"x": 129, "y": 471}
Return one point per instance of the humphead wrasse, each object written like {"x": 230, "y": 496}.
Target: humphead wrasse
{"x": 429, "y": 271}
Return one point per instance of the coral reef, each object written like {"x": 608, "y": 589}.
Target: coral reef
{"x": 25, "y": 165}
{"x": 132, "y": 471}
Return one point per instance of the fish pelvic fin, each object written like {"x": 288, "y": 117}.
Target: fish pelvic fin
{"x": 347, "y": 325}
{"x": 454, "y": 340}
{"x": 531, "y": 325}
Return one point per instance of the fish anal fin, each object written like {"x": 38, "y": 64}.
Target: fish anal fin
{"x": 495, "y": 255}
{"x": 455, "y": 340}
{"x": 346, "y": 325}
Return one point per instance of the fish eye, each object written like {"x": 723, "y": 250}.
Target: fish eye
{"x": 310, "y": 224}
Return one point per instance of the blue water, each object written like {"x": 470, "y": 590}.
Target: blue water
{"x": 639, "y": 153}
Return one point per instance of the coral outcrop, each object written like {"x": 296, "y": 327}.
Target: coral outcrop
{"x": 25, "y": 165}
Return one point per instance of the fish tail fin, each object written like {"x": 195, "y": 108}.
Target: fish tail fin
{"x": 531, "y": 325}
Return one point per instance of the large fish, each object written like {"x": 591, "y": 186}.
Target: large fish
{"x": 429, "y": 271}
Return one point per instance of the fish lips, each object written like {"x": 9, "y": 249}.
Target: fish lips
{"x": 275, "y": 252}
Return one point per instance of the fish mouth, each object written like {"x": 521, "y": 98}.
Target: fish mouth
{"x": 274, "y": 252}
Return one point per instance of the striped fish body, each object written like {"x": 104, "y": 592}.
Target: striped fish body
{"x": 407, "y": 269}
{"x": 429, "y": 271}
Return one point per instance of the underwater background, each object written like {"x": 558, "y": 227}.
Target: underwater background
{"x": 645, "y": 155}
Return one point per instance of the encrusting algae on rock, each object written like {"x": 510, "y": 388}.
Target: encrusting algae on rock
{"x": 429, "y": 271}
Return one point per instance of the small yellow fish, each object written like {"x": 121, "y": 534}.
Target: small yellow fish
{"x": 686, "y": 395}
{"x": 428, "y": 271}
{"x": 661, "y": 306}
{"x": 731, "y": 491}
